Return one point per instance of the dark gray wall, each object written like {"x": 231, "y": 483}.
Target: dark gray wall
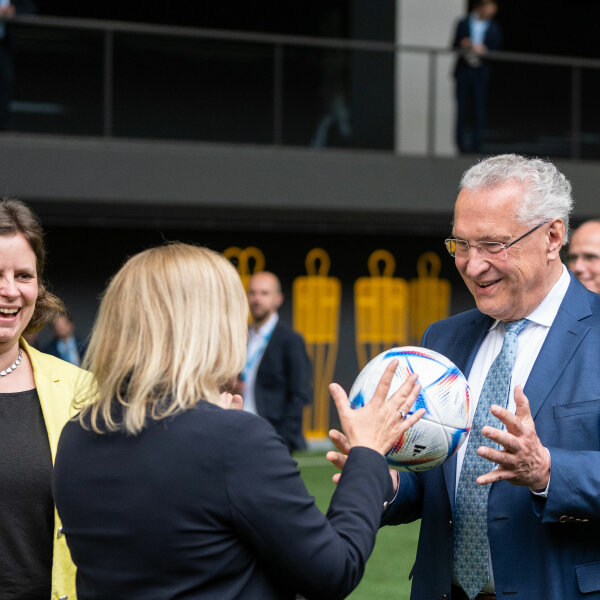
{"x": 85, "y": 170}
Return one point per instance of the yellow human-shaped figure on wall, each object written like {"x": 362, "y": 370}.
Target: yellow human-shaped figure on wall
{"x": 380, "y": 308}
{"x": 316, "y": 305}
{"x": 429, "y": 296}
{"x": 247, "y": 261}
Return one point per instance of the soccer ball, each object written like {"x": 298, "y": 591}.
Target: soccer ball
{"x": 444, "y": 395}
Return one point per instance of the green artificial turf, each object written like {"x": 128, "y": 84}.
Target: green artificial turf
{"x": 386, "y": 576}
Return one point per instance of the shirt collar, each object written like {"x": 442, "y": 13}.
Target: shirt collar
{"x": 266, "y": 328}
{"x": 475, "y": 19}
{"x": 545, "y": 313}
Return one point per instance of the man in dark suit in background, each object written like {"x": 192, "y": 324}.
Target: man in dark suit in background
{"x": 277, "y": 374}
{"x": 475, "y": 35}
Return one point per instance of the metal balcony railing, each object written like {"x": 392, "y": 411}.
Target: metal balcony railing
{"x": 277, "y": 49}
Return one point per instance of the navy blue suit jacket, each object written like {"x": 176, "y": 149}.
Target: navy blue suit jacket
{"x": 541, "y": 548}
{"x": 282, "y": 387}
{"x": 209, "y": 505}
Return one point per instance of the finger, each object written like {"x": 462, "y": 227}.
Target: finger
{"x": 497, "y": 456}
{"x": 337, "y": 459}
{"x": 340, "y": 441}
{"x": 237, "y": 402}
{"x": 507, "y": 440}
{"x": 405, "y": 391}
{"x": 383, "y": 387}
{"x": 496, "y": 475}
{"x": 407, "y": 404}
{"x": 406, "y": 387}
{"x": 340, "y": 400}
{"x": 336, "y": 478}
{"x": 411, "y": 420}
{"x": 523, "y": 409}
{"x": 511, "y": 421}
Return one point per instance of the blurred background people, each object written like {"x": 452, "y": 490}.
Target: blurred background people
{"x": 584, "y": 255}
{"x": 476, "y": 34}
{"x": 276, "y": 377}
{"x": 64, "y": 344}
{"x": 35, "y": 396}
{"x": 185, "y": 499}
{"x": 333, "y": 86}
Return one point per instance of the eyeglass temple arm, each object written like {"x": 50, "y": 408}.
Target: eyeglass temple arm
{"x": 525, "y": 235}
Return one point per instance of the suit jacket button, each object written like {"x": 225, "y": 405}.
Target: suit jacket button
{"x": 563, "y": 519}
{"x": 450, "y": 523}
{"x": 59, "y": 535}
{"x": 444, "y": 596}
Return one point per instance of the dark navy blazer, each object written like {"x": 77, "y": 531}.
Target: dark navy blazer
{"x": 541, "y": 548}
{"x": 209, "y": 505}
{"x": 492, "y": 41}
{"x": 282, "y": 387}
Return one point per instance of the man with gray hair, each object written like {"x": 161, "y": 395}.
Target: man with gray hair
{"x": 516, "y": 513}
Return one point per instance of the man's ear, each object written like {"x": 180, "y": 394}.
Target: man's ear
{"x": 556, "y": 236}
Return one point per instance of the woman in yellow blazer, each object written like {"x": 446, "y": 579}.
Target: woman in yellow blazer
{"x": 36, "y": 392}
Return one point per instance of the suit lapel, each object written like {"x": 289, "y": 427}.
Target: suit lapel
{"x": 467, "y": 342}
{"x": 466, "y": 345}
{"x": 563, "y": 339}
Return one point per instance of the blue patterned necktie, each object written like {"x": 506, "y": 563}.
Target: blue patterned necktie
{"x": 470, "y": 515}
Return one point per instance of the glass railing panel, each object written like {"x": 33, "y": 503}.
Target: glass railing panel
{"x": 58, "y": 80}
{"x": 194, "y": 89}
{"x": 338, "y": 98}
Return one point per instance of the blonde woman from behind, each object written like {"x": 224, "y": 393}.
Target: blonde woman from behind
{"x": 165, "y": 493}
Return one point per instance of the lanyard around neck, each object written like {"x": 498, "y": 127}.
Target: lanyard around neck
{"x": 257, "y": 354}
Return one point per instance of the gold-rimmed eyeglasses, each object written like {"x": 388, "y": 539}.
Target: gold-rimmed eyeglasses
{"x": 488, "y": 250}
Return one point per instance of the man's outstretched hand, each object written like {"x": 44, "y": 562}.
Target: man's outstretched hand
{"x": 523, "y": 459}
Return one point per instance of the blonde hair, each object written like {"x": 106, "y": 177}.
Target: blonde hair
{"x": 171, "y": 331}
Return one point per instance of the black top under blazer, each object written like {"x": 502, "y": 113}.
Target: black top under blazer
{"x": 210, "y": 505}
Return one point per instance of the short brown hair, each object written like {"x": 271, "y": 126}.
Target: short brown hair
{"x": 17, "y": 217}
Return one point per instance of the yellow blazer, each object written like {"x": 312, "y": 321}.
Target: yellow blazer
{"x": 58, "y": 383}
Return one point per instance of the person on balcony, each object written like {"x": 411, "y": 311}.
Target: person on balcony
{"x": 476, "y": 34}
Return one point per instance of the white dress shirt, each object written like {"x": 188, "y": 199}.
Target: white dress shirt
{"x": 478, "y": 28}
{"x": 257, "y": 344}
{"x": 531, "y": 340}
